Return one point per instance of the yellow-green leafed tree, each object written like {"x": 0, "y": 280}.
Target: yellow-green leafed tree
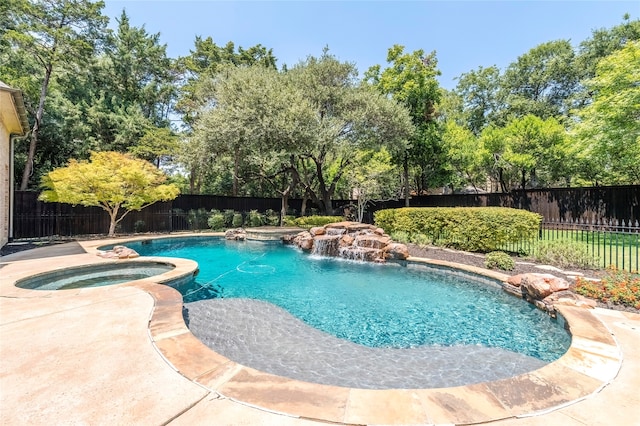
{"x": 116, "y": 182}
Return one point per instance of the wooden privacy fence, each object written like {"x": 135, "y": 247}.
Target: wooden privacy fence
{"x": 604, "y": 218}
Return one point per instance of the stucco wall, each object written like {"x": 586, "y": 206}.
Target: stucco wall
{"x": 4, "y": 184}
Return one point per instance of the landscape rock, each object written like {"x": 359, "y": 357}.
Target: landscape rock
{"x": 396, "y": 251}
{"x": 538, "y": 286}
{"x": 237, "y": 234}
{"x": 317, "y": 230}
{"x": 351, "y": 240}
{"x": 119, "y": 252}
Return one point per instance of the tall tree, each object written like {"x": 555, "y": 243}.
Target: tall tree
{"x": 466, "y": 157}
{"x": 260, "y": 121}
{"x": 411, "y": 80}
{"x": 198, "y": 72}
{"x": 56, "y": 33}
{"x": 541, "y": 81}
{"x": 141, "y": 73}
{"x": 481, "y": 97}
{"x": 527, "y": 152}
{"x": 608, "y": 129}
{"x": 603, "y": 42}
{"x": 349, "y": 117}
{"x": 204, "y": 62}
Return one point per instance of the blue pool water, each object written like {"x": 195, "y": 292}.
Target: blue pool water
{"x": 370, "y": 304}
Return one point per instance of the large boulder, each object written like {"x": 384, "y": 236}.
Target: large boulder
{"x": 317, "y": 230}
{"x": 372, "y": 241}
{"x": 395, "y": 251}
{"x": 119, "y": 252}
{"x": 304, "y": 240}
{"x": 538, "y": 286}
{"x": 237, "y": 234}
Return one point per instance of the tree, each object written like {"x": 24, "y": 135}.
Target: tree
{"x": 157, "y": 143}
{"x": 198, "y": 72}
{"x": 481, "y": 97}
{"x": 55, "y": 33}
{"x": 541, "y": 82}
{"x": 603, "y": 42}
{"x": 528, "y": 150}
{"x": 260, "y": 121}
{"x": 608, "y": 129}
{"x": 348, "y": 118}
{"x": 411, "y": 81}
{"x": 373, "y": 177}
{"x": 466, "y": 156}
{"x": 113, "y": 181}
{"x": 140, "y": 73}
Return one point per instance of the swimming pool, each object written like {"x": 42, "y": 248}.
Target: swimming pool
{"x": 378, "y": 306}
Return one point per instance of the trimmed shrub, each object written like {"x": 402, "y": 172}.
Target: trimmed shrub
{"x": 272, "y": 217}
{"x": 254, "y": 218}
{"x": 499, "y": 260}
{"x": 237, "y": 220}
{"x": 216, "y": 221}
{"x": 290, "y": 220}
{"x": 479, "y": 229}
{"x": 228, "y": 217}
{"x": 311, "y": 221}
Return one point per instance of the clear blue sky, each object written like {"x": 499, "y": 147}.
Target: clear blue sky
{"x": 464, "y": 34}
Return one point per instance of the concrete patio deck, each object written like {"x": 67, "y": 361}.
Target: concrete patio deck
{"x": 122, "y": 354}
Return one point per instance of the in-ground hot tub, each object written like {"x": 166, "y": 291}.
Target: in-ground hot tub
{"x": 94, "y": 275}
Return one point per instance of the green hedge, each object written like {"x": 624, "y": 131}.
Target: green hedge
{"x": 311, "y": 221}
{"x": 480, "y": 229}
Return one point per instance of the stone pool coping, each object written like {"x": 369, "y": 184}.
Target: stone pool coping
{"x": 591, "y": 363}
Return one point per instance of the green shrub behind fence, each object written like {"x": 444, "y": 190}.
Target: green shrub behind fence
{"x": 480, "y": 229}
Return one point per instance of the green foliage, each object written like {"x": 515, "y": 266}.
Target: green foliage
{"x": 480, "y": 98}
{"x": 481, "y": 229}
{"x": 466, "y": 156}
{"x": 609, "y": 128}
{"x": 228, "y": 217}
{"x": 254, "y": 218}
{"x": 618, "y": 287}
{"x": 216, "y": 220}
{"x": 399, "y": 236}
{"x": 198, "y": 219}
{"x": 541, "y": 81}
{"x": 115, "y": 182}
{"x": 290, "y": 220}
{"x": 237, "y": 220}
{"x": 272, "y": 217}
{"x": 311, "y": 221}
{"x": 411, "y": 80}
{"x": 564, "y": 254}
{"x": 499, "y": 260}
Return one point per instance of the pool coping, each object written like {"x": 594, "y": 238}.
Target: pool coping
{"x": 590, "y": 364}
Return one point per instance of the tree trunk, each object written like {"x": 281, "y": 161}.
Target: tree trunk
{"x": 236, "y": 167}
{"x": 113, "y": 215}
{"x": 284, "y": 207}
{"x": 112, "y": 228}
{"x": 28, "y": 167}
{"x": 405, "y": 176}
{"x": 192, "y": 180}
